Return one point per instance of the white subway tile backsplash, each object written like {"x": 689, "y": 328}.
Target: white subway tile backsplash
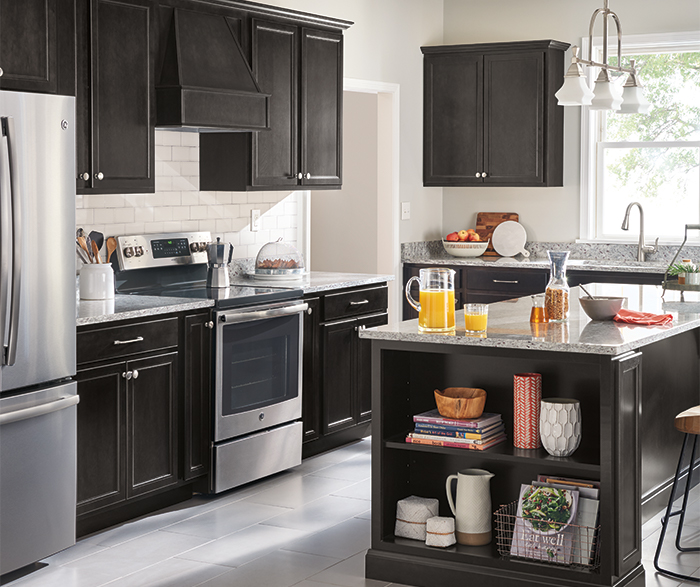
{"x": 179, "y": 206}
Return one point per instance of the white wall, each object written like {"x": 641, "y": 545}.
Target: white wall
{"x": 344, "y": 222}
{"x": 384, "y": 46}
{"x": 549, "y": 214}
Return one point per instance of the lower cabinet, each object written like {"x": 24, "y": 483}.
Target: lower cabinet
{"x": 337, "y": 397}
{"x": 143, "y": 416}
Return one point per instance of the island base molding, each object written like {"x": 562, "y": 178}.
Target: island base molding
{"x": 422, "y": 572}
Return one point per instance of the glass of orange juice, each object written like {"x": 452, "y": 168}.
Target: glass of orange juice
{"x": 475, "y": 317}
{"x": 436, "y": 299}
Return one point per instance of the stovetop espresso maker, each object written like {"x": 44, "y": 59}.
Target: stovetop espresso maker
{"x": 219, "y": 256}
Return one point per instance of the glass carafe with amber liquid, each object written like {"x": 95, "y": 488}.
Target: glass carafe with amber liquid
{"x": 556, "y": 296}
{"x": 436, "y": 305}
{"x": 537, "y": 314}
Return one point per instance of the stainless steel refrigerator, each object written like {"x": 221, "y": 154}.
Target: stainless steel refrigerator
{"x": 37, "y": 324}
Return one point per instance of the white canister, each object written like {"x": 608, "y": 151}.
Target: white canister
{"x": 560, "y": 425}
{"x": 96, "y": 281}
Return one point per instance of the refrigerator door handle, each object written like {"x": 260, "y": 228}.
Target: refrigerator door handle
{"x": 5, "y": 235}
{"x": 40, "y": 410}
{"x": 8, "y": 130}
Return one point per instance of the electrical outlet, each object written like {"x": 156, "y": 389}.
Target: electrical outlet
{"x": 254, "y": 220}
{"x": 405, "y": 210}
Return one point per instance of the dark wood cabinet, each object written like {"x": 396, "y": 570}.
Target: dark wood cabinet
{"x": 490, "y": 115}
{"x": 302, "y": 70}
{"x": 311, "y": 382}
{"x": 37, "y": 48}
{"x": 574, "y": 277}
{"x": 196, "y": 380}
{"x": 115, "y": 97}
{"x": 337, "y": 402}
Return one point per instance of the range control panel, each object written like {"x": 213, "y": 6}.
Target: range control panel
{"x": 162, "y": 250}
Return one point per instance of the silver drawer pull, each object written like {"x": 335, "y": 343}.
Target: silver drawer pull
{"x": 360, "y": 303}
{"x": 137, "y": 339}
{"x": 504, "y": 281}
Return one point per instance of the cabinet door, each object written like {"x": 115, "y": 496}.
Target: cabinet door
{"x": 364, "y": 367}
{"x": 311, "y": 389}
{"x": 321, "y": 120}
{"x": 197, "y": 383}
{"x": 101, "y": 434}
{"x": 116, "y": 92}
{"x": 514, "y": 118}
{"x": 152, "y": 423}
{"x": 28, "y": 45}
{"x": 275, "y": 153}
{"x": 339, "y": 405}
{"x": 453, "y": 119}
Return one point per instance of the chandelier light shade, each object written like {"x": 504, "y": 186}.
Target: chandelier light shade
{"x": 608, "y": 93}
{"x": 575, "y": 91}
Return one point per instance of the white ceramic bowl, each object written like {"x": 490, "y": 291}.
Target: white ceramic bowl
{"x": 601, "y": 308}
{"x": 465, "y": 248}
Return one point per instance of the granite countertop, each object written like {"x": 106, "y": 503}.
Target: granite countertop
{"x": 521, "y": 262}
{"x": 509, "y": 324}
{"x": 316, "y": 281}
{"x": 123, "y": 307}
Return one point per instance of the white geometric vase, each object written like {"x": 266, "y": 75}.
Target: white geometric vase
{"x": 560, "y": 425}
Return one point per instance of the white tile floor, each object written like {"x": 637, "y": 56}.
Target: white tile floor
{"x": 308, "y": 527}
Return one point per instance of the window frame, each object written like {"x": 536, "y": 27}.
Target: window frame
{"x": 592, "y": 129}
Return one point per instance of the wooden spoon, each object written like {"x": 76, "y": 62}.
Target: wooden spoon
{"x": 111, "y": 247}
{"x": 96, "y": 252}
{"x": 83, "y": 245}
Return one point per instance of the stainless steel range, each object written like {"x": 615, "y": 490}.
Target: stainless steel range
{"x": 257, "y": 350}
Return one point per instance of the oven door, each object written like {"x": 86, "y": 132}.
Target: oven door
{"x": 257, "y": 368}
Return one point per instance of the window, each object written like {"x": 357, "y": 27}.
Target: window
{"x": 653, "y": 158}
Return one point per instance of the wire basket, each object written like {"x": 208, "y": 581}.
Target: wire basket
{"x": 584, "y": 549}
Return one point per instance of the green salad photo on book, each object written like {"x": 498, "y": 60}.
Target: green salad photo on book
{"x": 542, "y": 529}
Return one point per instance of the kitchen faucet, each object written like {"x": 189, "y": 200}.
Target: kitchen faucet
{"x": 641, "y": 248}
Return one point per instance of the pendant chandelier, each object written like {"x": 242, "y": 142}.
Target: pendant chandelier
{"x": 608, "y": 93}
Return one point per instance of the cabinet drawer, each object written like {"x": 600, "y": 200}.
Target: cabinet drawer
{"x": 507, "y": 281}
{"x": 119, "y": 341}
{"x": 354, "y": 303}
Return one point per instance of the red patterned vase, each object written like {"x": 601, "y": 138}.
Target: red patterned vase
{"x": 527, "y": 395}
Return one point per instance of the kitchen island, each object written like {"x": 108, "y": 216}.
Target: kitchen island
{"x": 631, "y": 382}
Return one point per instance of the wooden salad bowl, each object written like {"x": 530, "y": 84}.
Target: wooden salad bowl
{"x": 460, "y": 402}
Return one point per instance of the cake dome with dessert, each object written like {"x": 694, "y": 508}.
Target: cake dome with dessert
{"x": 280, "y": 260}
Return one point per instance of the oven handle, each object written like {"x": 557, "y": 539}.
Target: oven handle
{"x": 239, "y": 316}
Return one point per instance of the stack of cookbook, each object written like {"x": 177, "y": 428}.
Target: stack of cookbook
{"x": 475, "y": 433}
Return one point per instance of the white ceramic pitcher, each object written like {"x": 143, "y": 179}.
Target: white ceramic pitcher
{"x": 473, "y": 510}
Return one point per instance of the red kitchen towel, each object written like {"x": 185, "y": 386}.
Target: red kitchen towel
{"x": 633, "y": 317}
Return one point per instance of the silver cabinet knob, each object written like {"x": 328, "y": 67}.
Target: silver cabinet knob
{"x": 478, "y": 174}
{"x": 483, "y": 174}
{"x": 99, "y": 176}
{"x": 1, "y": 72}
{"x": 300, "y": 175}
{"x": 84, "y": 176}
{"x": 135, "y": 374}
{"x": 308, "y": 176}
{"x": 209, "y": 324}
{"x": 127, "y": 375}
{"x": 309, "y": 311}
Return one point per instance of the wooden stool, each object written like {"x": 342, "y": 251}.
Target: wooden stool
{"x": 688, "y": 422}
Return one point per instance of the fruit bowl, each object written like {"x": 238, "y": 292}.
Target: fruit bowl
{"x": 465, "y": 248}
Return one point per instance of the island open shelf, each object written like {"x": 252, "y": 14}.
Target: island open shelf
{"x": 628, "y": 442}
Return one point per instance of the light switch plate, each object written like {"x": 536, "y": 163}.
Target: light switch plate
{"x": 254, "y": 220}
{"x": 405, "y": 210}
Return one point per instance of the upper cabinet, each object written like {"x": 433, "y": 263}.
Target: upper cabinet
{"x": 115, "y": 106}
{"x": 490, "y": 115}
{"x": 37, "y": 49}
{"x": 301, "y": 69}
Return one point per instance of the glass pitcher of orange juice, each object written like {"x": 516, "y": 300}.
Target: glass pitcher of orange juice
{"x": 436, "y": 308}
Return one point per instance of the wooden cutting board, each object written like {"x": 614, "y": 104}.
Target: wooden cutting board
{"x": 486, "y": 222}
